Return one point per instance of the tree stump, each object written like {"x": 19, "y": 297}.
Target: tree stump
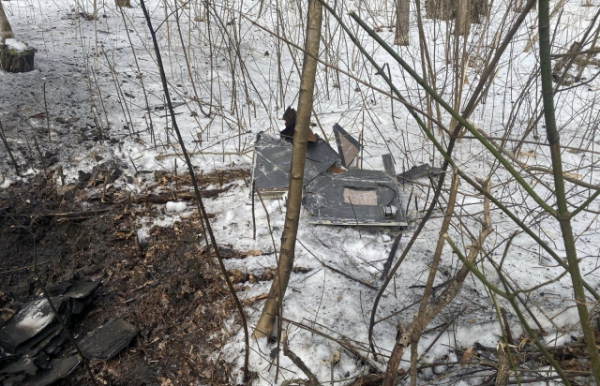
{"x": 16, "y": 58}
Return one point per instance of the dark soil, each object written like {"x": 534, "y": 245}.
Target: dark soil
{"x": 168, "y": 288}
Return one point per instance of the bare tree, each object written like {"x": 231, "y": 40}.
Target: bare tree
{"x": 463, "y": 17}
{"x": 479, "y": 8}
{"x": 273, "y": 305}
{"x": 440, "y": 9}
{"x": 402, "y": 22}
{"x": 123, "y": 3}
{"x": 5, "y": 29}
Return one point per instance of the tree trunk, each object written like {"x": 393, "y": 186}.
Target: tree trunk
{"x": 517, "y": 5}
{"x": 463, "y": 17}
{"x": 479, "y": 9}
{"x": 274, "y": 302}
{"x": 402, "y": 22}
{"x": 440, "y": 9}
{"x": 122, "y": 3}
{"x": 5, "y": 30}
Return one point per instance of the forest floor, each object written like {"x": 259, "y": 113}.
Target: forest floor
{"x": 166, "y": 287}
{"x": 102, "y": 194}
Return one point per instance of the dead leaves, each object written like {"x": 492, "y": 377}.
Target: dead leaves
{"x": 226, "y": 252}
{"x": 253, "y": 299}
{"x": 467, "y": 357}
{"x": 218, "y": 177}
{"x": 238, "y": 277}
{"x": 506, "y": 357}
{"x": 124, "y": 234}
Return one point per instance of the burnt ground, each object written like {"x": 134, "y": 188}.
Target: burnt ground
{"x": 168, "y": 287}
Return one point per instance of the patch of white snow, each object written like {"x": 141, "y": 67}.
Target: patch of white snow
{"x": 176, "y": 207}
{"x": 16, "y": 45}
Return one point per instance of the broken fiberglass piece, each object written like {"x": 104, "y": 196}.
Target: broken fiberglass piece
{"x": 357, "y": 197}
{"x": 417, "y": 172}
{"x": 273, "y": 157}
{"x": 107, "y": 341}
{"x": 348, "y": 147}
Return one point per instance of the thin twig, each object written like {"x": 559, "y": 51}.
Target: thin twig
{"x": 313, "y": 381}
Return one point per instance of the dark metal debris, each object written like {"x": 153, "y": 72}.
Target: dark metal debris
{"x": 356, "y": 197}
{"x": 33, "y": 324}
{"x": 107, "y": 341}
{"x": 337, "y": 197}
{"x": 34, "y": 333}
{"x": 272, "y": 162}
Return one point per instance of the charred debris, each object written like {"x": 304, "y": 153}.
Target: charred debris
{"x": 31, "y": 340}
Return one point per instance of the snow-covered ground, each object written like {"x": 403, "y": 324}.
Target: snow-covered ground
{"x": 231, "y": 79}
